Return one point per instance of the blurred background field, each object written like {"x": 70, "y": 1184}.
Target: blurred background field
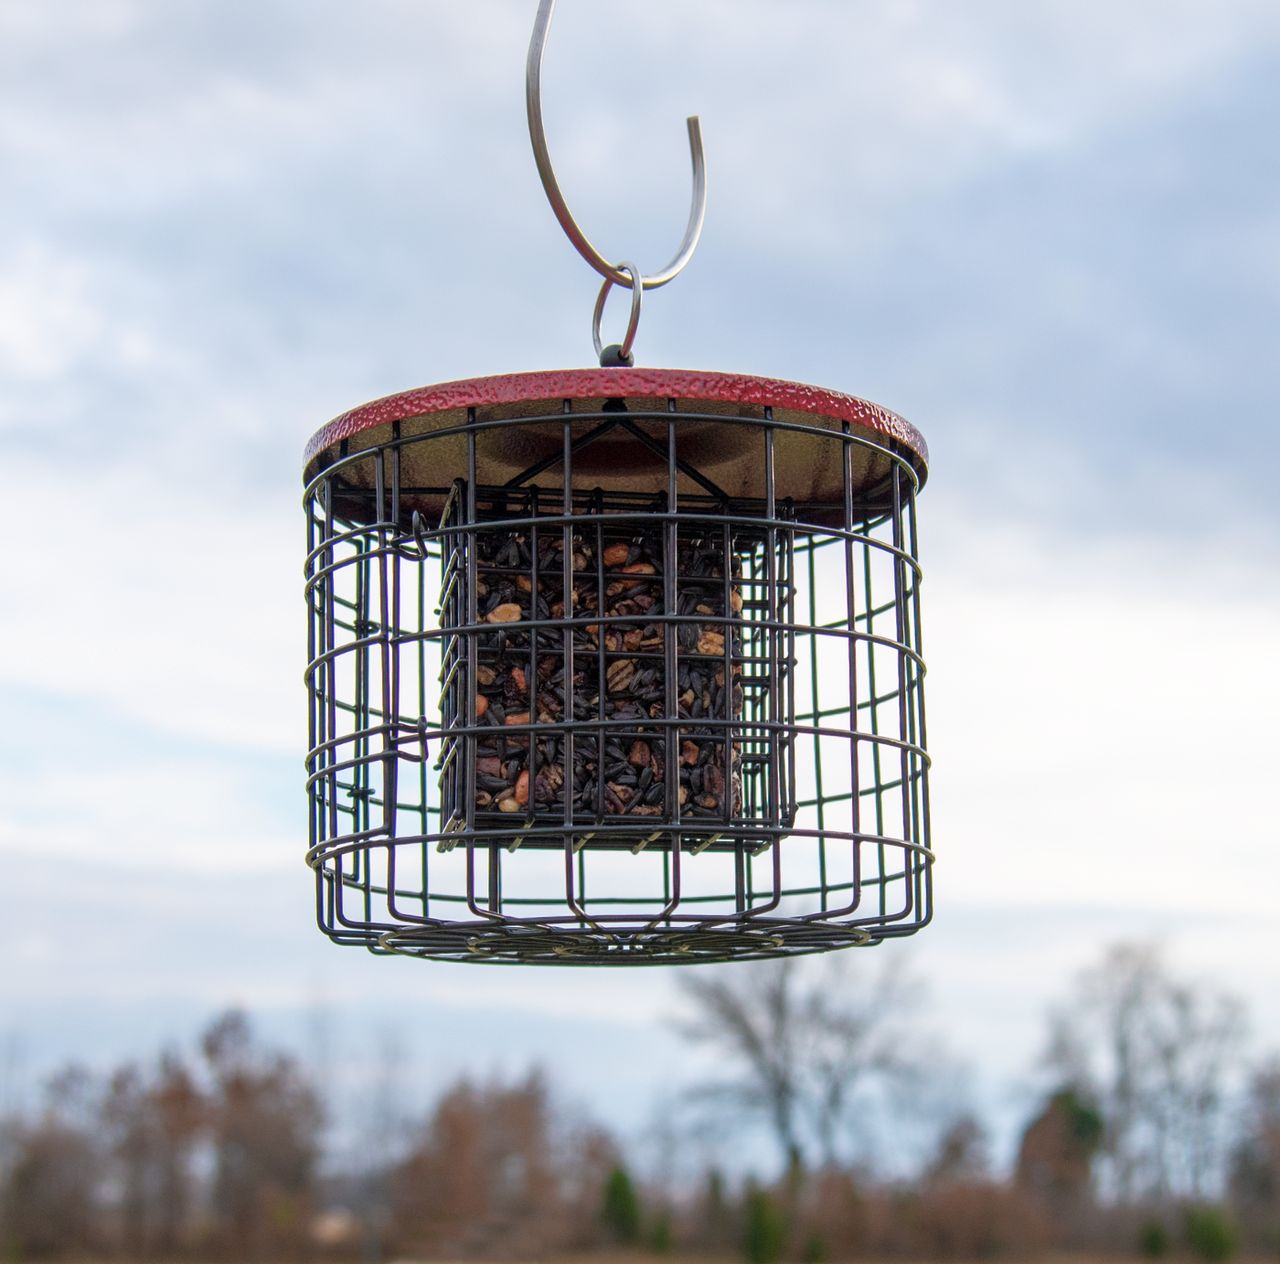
{"x": 832, "y": 1123}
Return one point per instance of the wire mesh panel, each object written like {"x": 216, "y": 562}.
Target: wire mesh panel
{"x": 615, "y": 678}
{"x": 641, "y": 716}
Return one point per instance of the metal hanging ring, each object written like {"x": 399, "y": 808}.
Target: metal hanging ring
{"x": 537, "y": 134}
{"x": 631, "y": 273}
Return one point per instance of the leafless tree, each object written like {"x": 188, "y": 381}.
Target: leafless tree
{"x": 127, "y": 1138}
{"x": 52, "y": 1197}
{"x": 500, "y": 1168}
{"x": 264, "y": 1122}
{"x": 380, "y": 1142}
{"x": 963, "y": 1153}
{"x": 148, "y": 1123}
{"x": 179, "y": 1110}
{"x": 805, "y": 1045}
{"x": 1255, "y": 1160}
{"x": 110, "y": 1162}
{"x": 1157, "y": 1054}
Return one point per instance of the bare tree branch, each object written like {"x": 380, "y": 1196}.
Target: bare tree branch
{"x": 805, "y": 1045}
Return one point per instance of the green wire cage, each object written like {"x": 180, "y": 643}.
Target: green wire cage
{"x": 616, "y": 666}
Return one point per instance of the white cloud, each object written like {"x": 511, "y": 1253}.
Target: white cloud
{"x": 1098, "y": 716}
{"x": 143, "y": 590}
{"x": 54, "y": 319}
{"x": 819, "y": 116}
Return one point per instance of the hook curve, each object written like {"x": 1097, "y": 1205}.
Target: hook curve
{"x": 542, "y": 157}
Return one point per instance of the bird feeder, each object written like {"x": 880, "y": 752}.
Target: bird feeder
{"x": 616, "y": 665}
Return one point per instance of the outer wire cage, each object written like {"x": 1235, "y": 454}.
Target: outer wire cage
{"x": 616, "y": 666}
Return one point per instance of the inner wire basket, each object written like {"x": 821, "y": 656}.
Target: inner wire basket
{"x": 570, "y": 708}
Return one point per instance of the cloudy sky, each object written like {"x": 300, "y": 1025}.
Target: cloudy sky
{"x": 1048, "y": 234}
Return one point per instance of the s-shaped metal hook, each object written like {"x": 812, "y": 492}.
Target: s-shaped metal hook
{"x": 613, "y": 274}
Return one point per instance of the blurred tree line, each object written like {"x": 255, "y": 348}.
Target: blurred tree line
{"x": 1152, "y": 1134}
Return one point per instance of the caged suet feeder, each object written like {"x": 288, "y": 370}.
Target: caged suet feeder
{"x": 616, "y": 665}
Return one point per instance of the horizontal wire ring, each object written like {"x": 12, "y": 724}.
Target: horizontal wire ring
{"x": 637, "y": 293}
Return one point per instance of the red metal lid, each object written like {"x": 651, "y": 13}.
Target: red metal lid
{"x": 808, "y": 468}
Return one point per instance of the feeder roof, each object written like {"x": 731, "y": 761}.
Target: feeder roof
{"x": 709, "y": 408}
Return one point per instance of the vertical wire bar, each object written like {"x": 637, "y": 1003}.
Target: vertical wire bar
{"x": 602, "y": 690}
{"x": 666, "y": 875}
{"x": 740, "y": 851}
{"x": 386, "y": 657}
{"x": 452, "y": 609}
{"x": 671, "y": 605}
{"x": 566, "y": 589}
{"x": 359, "y": 855}
{"x": 468, "y": 539}
{"x": 728, "y": 808}
{"x": 815, "y": 701}
{"x": 789, "y": 718}
{"x": 851, "y": 615}
{"x": 330, "y": 704}
{"x": 385, "y": 759}
{"x": 315, "y": 819}
{"x": 531, "y": 677}
{"x": 911, "y": 822}
{"x": 331, "y": 700}
{"x": 922, "y": 801}
{"x": 597, "y": 510}
{"x": 873, "y": 710}
{"x": 360, "y": 722}
{"x": 771, "y": 636}
{"x": 733, "y": 803}
{"x": 900, "y": 624}
{"x": 423, "y": 774}
{"x": 395, "y": 623}
{"x": 570, "y": 577}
